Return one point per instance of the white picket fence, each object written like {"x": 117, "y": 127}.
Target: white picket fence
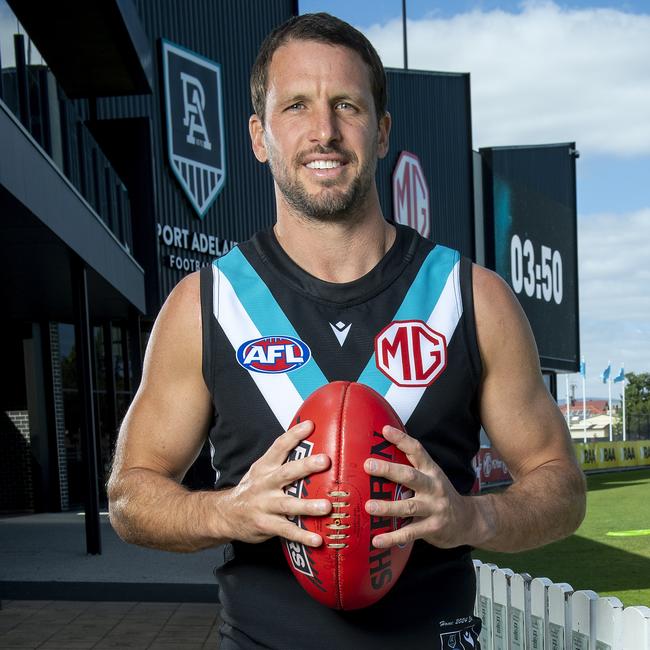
{"x": 521, "y": 613}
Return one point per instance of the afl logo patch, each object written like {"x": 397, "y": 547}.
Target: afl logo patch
{"x": 273, "y": 354}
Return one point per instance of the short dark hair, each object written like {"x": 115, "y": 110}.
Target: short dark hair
{"x": 323, "y": 28}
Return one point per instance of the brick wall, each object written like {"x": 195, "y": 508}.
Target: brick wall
{"x": 16, "y": 487}
{"x": 59, "y": 418}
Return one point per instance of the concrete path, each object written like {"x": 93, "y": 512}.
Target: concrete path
{"x": 68, "y": 625}
{"x": 54, "y": 596}
{"x": 43, "y": 557}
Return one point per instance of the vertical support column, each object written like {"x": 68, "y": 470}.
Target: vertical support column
{"x": 553, "y": 384}
{"x": 128, "y": 384}
{"x": 83, "y": 343}
{"x": 135, "y": 348}
{"x": 58, "y": 416}
{"x": 2, "y": 89}
{"x": 111, "y": 394}
{"x": 23, "y": 82}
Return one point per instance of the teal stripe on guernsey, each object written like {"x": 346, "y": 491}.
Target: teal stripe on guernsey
{"x": 267, "y": 315}
{"x": 419, "y": 302}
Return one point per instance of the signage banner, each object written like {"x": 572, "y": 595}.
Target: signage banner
{"x": 491, "y": 469}
{"x": 606, "y": 455}
{"x": 411, "y": 194}
{"x": 195, "y": 129}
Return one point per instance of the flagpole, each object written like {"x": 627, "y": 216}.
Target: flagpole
{"x": 609, "y": 390}
{"x": 624, "y": 430}
{"x": 568, "y": 408}
{"x": 584, "y": 409}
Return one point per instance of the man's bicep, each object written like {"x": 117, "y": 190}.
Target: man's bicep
{"x": 166, "y": 425}
{"x": 519, "y": 415}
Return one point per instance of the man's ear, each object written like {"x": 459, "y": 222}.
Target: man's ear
{"x": 256, "y": 131}
{"x": 384, "y": 133}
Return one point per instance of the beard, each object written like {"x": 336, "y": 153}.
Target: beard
{"x": 331, "y": 203}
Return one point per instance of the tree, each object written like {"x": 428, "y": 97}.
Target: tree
{"x": 637, "y": 392}
{"x": 637, "y": 405}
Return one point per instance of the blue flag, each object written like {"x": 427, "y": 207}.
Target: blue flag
{"x": 605, "y": 374}
{"x": 583, "y": 368}
{"x": 620, "y": 376}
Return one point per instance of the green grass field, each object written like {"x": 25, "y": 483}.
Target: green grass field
{"x": 592, "y": 559}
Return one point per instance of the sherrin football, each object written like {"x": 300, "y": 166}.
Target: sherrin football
{"x": 346, "y": 571}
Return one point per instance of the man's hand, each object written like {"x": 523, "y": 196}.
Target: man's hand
{"x": 257, "y": 508}
{"x": 440, "y": 515}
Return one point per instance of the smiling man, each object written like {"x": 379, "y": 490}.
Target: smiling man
{"x": 237, "y": 348}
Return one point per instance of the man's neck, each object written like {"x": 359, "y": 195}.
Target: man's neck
{"x": 335, "y": 251}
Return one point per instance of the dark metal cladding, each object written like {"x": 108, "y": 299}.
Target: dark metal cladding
{"x": 531, "y": 240}
{"x": 230, "y": 34}
{"x": 432, "y": 119}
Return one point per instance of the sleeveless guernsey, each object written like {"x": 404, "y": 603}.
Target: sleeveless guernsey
{"x": 272, "y": 334}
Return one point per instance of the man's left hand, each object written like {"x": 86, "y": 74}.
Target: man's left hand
{"x": 441, "y": 516}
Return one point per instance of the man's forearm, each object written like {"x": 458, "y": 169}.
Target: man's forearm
{"x": 544, "y": 506}
{"x": 155, "y": 511}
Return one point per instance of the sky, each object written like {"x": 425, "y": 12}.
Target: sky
{"x": 544, "y": 72}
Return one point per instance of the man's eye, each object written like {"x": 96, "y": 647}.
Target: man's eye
{"x": 296, "y": 107}
{"x": 345, "y": 106}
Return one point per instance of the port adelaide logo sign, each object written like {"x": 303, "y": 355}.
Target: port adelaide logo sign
{"x": 194, "y": 115}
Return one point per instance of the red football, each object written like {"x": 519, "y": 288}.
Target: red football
{"x": 346, "y": 571}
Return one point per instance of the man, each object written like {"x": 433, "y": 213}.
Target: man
{"x": 320, "y": 123}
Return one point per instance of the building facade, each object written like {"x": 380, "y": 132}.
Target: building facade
{"x": 125, "y": 164}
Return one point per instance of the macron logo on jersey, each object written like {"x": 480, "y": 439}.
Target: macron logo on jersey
{"x": 273, "y": 354}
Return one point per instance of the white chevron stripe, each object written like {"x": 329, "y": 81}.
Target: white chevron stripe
{"x": 444, "y": 319}
{"x": 278, "y": 390}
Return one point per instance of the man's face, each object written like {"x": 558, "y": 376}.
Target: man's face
{"x": 321, "y": 137}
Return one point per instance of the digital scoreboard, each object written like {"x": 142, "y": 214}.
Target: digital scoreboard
{"x": 531, "y": 241}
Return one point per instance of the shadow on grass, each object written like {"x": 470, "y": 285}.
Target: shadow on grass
{"x": 581, "y": 562}
{"x": 612, "y": 480}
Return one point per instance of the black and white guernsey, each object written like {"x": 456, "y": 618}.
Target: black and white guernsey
{"x": 272, "y": 334}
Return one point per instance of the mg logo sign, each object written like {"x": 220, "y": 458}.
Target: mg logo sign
{"x": 193, "y": 109}
{"x": 411, "y": 194}
{"x": 410, "y": 353}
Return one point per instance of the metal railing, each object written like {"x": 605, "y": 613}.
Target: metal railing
{"x": 33, "y": 95}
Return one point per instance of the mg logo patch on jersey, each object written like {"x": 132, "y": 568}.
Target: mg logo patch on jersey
{"x": 273, "y": 354}
{"x": 194, "y": 114}
{"x": 410, "y": 353}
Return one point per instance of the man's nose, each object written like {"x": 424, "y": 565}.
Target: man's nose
{"x": 325, "y": 127}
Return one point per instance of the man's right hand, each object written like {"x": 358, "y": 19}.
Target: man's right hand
{"x": 257, "y": 508}
{"x": 161, "y": 436}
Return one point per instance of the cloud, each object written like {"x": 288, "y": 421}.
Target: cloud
{"x": 544, "y": 74}
{"x": 614, "y": 293}
{"x": 613, "y": 266}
